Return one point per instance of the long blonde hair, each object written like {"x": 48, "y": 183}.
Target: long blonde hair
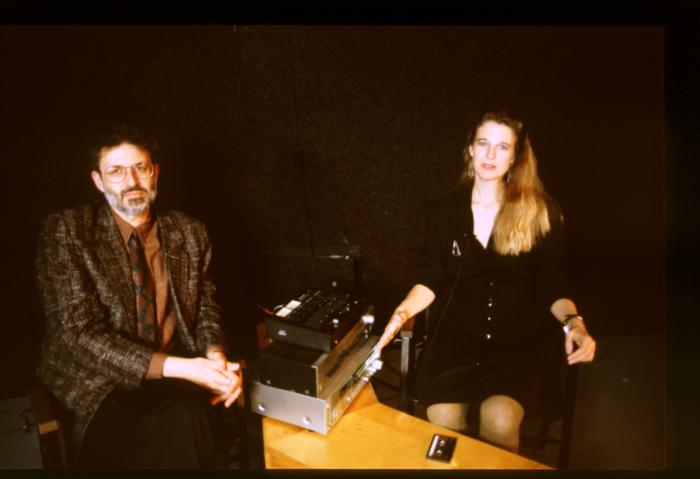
{"x": 523, "y": 218}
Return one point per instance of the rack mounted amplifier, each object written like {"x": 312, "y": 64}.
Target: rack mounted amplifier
{"x": 306, "y": 370}
{"x": 320, "y": 413}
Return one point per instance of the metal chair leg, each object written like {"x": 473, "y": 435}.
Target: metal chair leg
{"x": 407, "y": 353}
{"x": 568, "y": 419}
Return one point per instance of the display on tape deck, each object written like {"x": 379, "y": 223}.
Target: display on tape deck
{"x": 316, "y": 319}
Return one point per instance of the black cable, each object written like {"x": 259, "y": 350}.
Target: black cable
{"x": 299, "y": 158}
{"x": 294, "y": 88}
{"x": 431, "y": 340}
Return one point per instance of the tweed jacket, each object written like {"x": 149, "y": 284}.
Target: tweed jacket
{"x": 84, "y": 282}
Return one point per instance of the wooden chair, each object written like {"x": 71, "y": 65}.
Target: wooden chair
{"x": 558, "y": 398}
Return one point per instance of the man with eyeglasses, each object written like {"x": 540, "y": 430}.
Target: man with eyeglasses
{"x": 133, "y": 348}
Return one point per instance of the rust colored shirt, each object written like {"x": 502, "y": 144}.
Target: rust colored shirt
{"x": 148, "y": 235}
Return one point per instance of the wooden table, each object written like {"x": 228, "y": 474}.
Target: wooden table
{"x": 371, "y": 435}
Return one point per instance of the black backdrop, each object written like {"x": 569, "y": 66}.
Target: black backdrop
{"x": 380, "y": 116}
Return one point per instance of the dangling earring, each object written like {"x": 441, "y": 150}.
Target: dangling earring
{"x": 470, "y": 170}
{"x": 508, "y": 176}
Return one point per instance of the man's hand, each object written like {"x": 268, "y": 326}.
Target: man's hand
{"x": 236, "y": 388}
{"x": 225, "y": 383}
{"x": 219, "y": 357}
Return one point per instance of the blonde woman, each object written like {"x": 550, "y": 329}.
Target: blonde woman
{"x": 493, "y": 259}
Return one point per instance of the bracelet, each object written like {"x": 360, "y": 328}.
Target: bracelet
{"x": 566, "y": 324}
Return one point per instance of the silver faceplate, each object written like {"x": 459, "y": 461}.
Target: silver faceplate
{"x": 319, "y": 413}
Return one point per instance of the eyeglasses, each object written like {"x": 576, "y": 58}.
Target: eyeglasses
{"x": 116, "y": 174}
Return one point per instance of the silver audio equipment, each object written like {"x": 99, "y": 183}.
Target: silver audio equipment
{"x": 348, "y": 376}
{"x": 305, "y": 370}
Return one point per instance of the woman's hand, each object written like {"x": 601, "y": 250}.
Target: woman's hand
{"x": 586, "y": 345}
{"x": 419, "y": 298}
{"x": 392, "y": 328}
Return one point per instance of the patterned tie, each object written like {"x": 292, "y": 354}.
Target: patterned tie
{"x": 145, "y": 291}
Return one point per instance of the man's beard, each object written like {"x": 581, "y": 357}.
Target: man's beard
{"x": 133, "y": 206}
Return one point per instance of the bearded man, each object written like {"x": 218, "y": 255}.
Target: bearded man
{"x": 133, "y": 349}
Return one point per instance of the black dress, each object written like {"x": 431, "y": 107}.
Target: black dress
{"x": 491, "y": 313}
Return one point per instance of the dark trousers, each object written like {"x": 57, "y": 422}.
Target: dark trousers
{"x": 166, "y": 423}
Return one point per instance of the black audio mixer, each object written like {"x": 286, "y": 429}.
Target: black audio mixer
{"x": 316, "y": 319}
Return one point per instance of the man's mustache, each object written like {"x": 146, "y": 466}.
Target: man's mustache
{"x": 135, "y": 188}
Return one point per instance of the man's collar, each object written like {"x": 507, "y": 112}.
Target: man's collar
{"x": 125, "y": 229}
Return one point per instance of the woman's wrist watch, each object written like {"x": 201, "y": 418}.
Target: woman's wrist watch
{"x": 567, "y": 324}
